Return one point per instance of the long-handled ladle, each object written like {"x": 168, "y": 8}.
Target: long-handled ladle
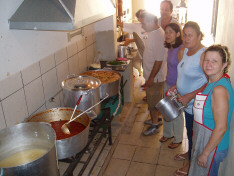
{"x": 64, "y": 127}
{"x": 77, "y": 103}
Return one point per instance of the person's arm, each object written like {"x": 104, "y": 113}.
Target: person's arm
{"x": 220, "y": 106}
{"x": 180, "y": 54}
{"x": 154, "y": 72}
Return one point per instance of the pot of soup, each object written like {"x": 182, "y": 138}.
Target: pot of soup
{"x": 68, "y": 145}
{"x": 28, "y": 149}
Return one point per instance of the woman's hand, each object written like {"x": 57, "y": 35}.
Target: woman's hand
{"x": 185, "y": 99}
{"x": 202, "y": 160}
{"x": 149, "y": 82}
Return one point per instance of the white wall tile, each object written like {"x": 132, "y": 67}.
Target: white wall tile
{"x": 42, "y": 108}
{"x": 47, "y": 63}
{"x": 73, "y": 63}
{"x": 71, "y": 49}
{"x": 34, "y": 95}
{"x": 62, "y": 72}
{"x": 53, "y": 104}
{"x": 90, "y": 55}
{"x": 81, "y": 42}
{"x": 61, "y": 99}
{"x": 2, "y": 118}
{"x": 88, "y": 33}
{"x": 50, "y": 83}
{"x": 82, "y": 61}
{"x": 14, "y": 108}
{"x": 10, "y": 85}
{"x": 30, "y": 73}
{"x": 60, "y": 56}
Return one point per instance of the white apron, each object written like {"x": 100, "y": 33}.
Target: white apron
{"x": 201, "y": 136}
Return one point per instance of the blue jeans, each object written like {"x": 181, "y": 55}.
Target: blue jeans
{"x": 219, "y": 156}
{"x": 189, "y": 127}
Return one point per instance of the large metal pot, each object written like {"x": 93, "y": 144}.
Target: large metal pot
{"x": 75, "y": 86}
{"x": 70, "y": 146}
{"x": 112, "y": 88}
{"x": 169, "y": 108}
{"x": 28, "y": 138}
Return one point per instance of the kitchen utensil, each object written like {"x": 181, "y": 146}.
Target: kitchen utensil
{"x": 75, "y": 86}
{"x": 64, "y": 126}
{"x": 78, "y": 101}
{"x": 30, "y": 139}
{"x": 170, "y": 108}
{"x": 70, "y": 146}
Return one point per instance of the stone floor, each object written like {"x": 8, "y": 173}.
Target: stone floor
{"x": 132, "y": 154}
{"x": 138, "y": 155}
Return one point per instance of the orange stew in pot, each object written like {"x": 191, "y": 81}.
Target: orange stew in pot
{"x": 74, "y": 128}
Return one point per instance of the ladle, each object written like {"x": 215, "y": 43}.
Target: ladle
{"x": 64, "y": 127}
{"x": 77, "y": 103}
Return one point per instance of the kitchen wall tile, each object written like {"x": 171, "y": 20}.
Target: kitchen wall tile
{"x": 61, "y": 99}
{"x": 40, "y": 109}
{"x": 47, "y": 63}
{"x": 2, "y": 118}
{"x": 82, "y": 61}
{"x": 15, "y": 108}
{"x": 34, "y": 95}
{"x": 10, "y": 85}
{"x": 94, "y": 37}
{"x": 73, "y": 63}
{"x": 50, "y": 83}
{"x": 54, "y": 103}
{"x": 60, "y": 56}
{"x": 88, "y": 33}
{"x": 71, "y": 50}
{"x": 81, "y": 42}
{"x": 30, "y": 73}
{"x": 90, "y": 55}
{"x": 62, "y": 72}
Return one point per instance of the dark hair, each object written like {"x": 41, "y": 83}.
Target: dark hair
{"x": 139, "y": 12}
{"x": 169, "y": 2}
{"x": 178, "y": 41}
{"x": 195, "y": 26}
{"x": 223, "y": 52}
{"x": 149, "y": 17}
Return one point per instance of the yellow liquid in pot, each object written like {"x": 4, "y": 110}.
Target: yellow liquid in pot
{"x": 22, "y": 157}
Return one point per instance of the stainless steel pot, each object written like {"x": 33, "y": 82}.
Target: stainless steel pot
{"x": 70, "y": 146}
{"x": 122, "y": 51}
{"x": 112, "y": 88}
{"x": 74, "y": 86}
{"x": 26, "y": 137}
{"x": 169, "y": 108}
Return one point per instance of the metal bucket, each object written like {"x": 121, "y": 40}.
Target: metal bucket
{"x": 18, "y": 141}
{"x": 169, "y": 108}
{"x": 70, "y": 146}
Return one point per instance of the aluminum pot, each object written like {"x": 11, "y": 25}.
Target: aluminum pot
{"x": 75, "y": 86}
{"x": 169, "y": 108}
{"x": 70, "y": 146}
{"x": 25, "y": 138}
{"x": 122, "y": 51}
{"x": 112, "y": 88}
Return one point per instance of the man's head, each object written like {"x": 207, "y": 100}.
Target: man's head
{"x": 149, "y": 21}
{"x": 138, "y": 14}
{"x": 166, "y": 8}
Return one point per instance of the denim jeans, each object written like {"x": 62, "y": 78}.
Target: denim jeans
{"x": 189, "y": 127}
{"x": 219, "y": 156}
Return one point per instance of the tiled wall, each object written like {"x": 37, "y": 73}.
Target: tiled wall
{"x": 32, "y": 89}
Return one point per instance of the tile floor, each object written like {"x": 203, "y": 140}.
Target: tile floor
{"x": 138, "y": 155}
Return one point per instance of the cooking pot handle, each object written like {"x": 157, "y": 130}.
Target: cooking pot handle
{"x": 71, "y": 76}
{"x": 92, "y": 114}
